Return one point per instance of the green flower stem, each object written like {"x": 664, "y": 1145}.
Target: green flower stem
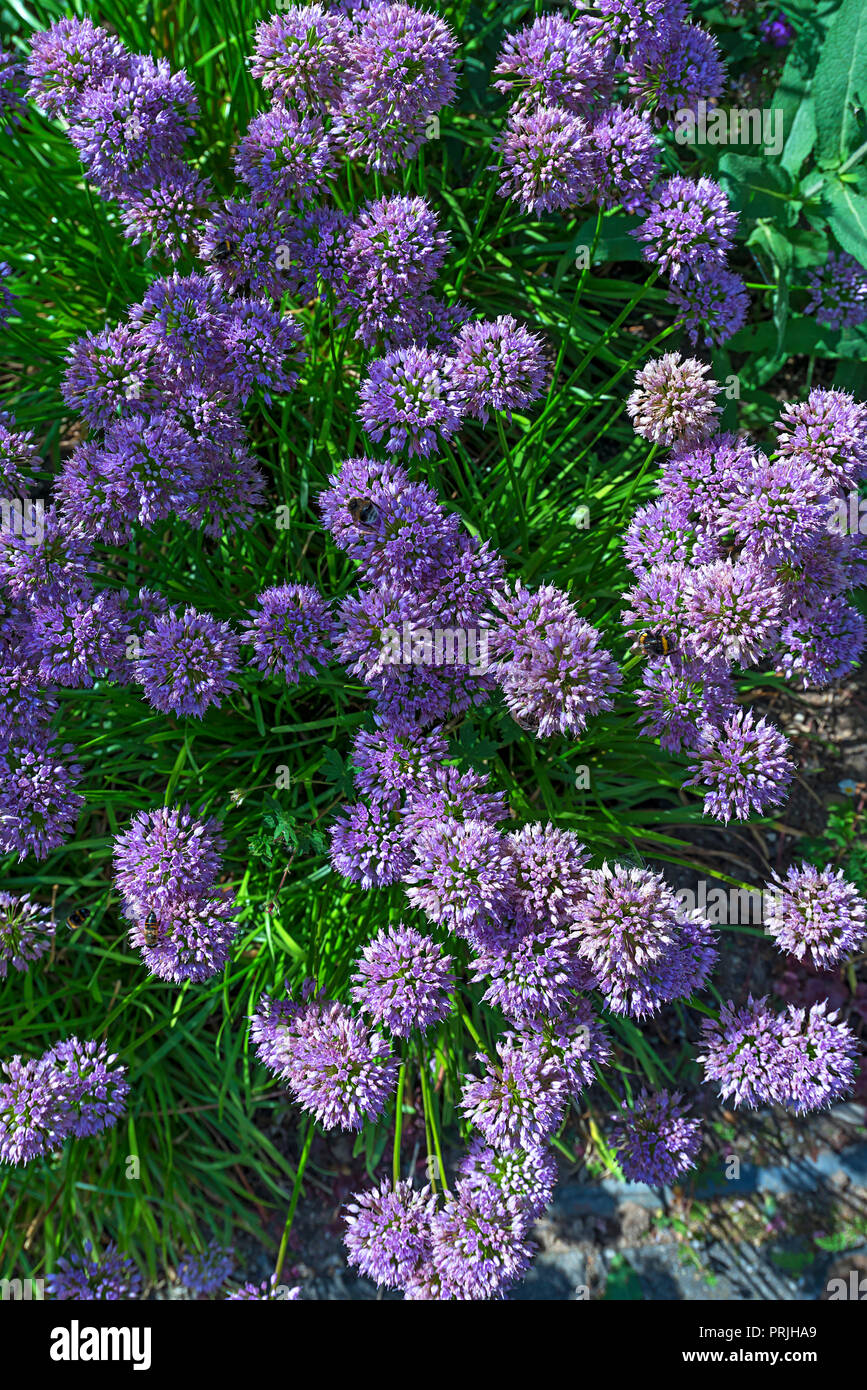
{"x": 612, "y": 328}
{"x": 564, "y": 341}
{"x": 624, "y": 509}
{"x": 296, "y": 1193}
{"x": 431, "y": 1127}
{"x": 513, "y": 478}
{"x": 474, "y": 239}
{"x": 398, "y": 1125}
{"x": 636, "y": 357}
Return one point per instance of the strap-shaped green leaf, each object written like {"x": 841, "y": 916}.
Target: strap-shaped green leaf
{"x": 841, "y": 75}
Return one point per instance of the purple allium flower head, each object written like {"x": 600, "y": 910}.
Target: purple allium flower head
{"x": 641, "y": 948}
{"x": 656, "y": 535}
{"x": 206, "y": 1271}
{"x": 313, "y": 252}
{"x": 269, "y": 1291}
{"x": 630, "y": 19}
{"x": 555, "y": 61}
{"x": 400, "y": 72}
{"x": 76, "y": 642}
{"x": 674, "y": 401}
{"x": 95, "y": 492}
{"x": 827, "y": 431}
{"x": 480, "y": 1247}
{"x": 291, "y": 631}
{"x": 522, "y": 1098}
{"x": 94, "y": 1090}
{"x": 70, "y": 57}
{"x": 44, "y": 556}
{"x": 394, "y": 252}
{"x": 299, "y": 55}
{"x": 801, "y": 1059}
{"x": 150, "y": 468}
{"x": 657, "y": 601}
{"x": 496, "y": 365}
{"x": 33, "y": 1117}
{"x": 164, "y": 853}
{"x": 462, "y": 877}
{"x": 403, "y": 980}
{"x": 13, "y": 82}
{"x": 158, "y": 460}
{"x": 548, "y": 661}
{"x": 815, "y": 915}
{"x": 532, "y": 973}
{"x": 733, "y": 610}
{"x": 388, "y": 1232}
{"x": 430, "y": 636}
{"x": 132, "y": 122}
{"x": 525, "y": 1178}
{"x": 285, "y": 157}
{"x": 822, "y": 643}
{"x": 382, "y": 483}
{"x": 453, "y": 795}
{"x": 169, "y": 211}
{"x": 777, "y": 511}
{"x": 187, "y": 663}
{"x": 26, "y": 932}
{"x": 333, "y": 1064}
{"x": 406, "y": 401}
{"x": 413, "y": 698}
{"x": 547, "y": 160}
{"x": 108, "y": 375}
{"x": 674, "y": 66}
{"x": 436, "y": 323}
{"x": 85, "y": 1279}
{"x": 25, "y": 706}
{"x": 258, "y": 261}
{"x": 625, "y": 156}
{"x": 213, "y": 422}
{"x": 744, "y": 764}
{"x": 368, "y": 844}
{"x": 744, "y": 1053}
{"x": 38, "y": 806}
{"x": 826, "y": 1053}
{"x": 655, "y": 1141}
{"x": 838, "y": 292}
{"x": 73, "y": 1089}
{"x": 258, "y": 350}
{"x": 7, "y": 298}
{"x": 699, "y": 480}
{"x": 690, "y": 224}
{"x": 389, "y": 764}
{"x": 372, "y": 626}
{"x": 550, "y": 873}
{"x": 712, "y": 301}
{"x": 429, "y": 1285}
{"x": 410, "y": 543}
{"x": 17, "y": 453}
{"x": 466, "y": 589}
{"x": 179, "y": 318}
{"x": 680, "y": 696}
{"x": 776, "y": 30}
{"x": 195, "y": 934}
{"x": 230, "y": 490}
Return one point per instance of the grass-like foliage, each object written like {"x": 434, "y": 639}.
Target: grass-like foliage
{"x": 551, "y": 478}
